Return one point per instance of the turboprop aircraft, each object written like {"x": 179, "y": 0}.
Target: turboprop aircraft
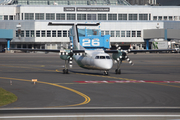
{"x": 94, "y": 59}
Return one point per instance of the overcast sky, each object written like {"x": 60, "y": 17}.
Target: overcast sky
{"x": 169, "y": 2}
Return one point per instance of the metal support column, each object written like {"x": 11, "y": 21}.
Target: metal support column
{"x": 147, "y": 44}
{"x": 8, "y": 44}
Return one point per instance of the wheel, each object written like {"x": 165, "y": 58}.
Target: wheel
{"x": 66, "y": 71}
{"x": 116, "y": 71}
{"x": 119, "y": 71}
{"x": 105, "y": 73}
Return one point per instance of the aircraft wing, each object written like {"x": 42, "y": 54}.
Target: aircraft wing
{"x": 136, "y": 51}
{"x": 43, "y": 50}
{"x": 154, "y": 50}
{"x": 46, "y": 50}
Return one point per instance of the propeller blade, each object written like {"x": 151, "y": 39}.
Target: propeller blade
{"x": 130, "y": 61}
{"x": 70, "y": 62}
{"x": 71, "y": 55}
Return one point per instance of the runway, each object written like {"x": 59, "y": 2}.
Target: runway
{"x": 88, "y": 88}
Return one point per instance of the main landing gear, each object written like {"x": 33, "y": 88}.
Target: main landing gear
{"x": 65, "y": 71}
{"x": 118, "y": 70}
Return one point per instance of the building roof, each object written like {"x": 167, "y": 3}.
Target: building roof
{"x": 65, "y": 2}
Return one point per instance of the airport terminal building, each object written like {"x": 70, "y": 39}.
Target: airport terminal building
{"x": 128, "y": 25}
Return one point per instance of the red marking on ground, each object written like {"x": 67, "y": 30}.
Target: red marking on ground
{"x": 126, "y": 81}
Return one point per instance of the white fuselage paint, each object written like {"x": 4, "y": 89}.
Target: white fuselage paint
{"x": 89, "y": 60}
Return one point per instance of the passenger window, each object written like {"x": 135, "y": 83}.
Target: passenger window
{"x": 102, "y": 57}
{"x": 97, "y": 57}
{"x": 107, "y": 57}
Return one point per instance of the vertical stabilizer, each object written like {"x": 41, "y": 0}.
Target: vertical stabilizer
{"x": 76, "y": 43}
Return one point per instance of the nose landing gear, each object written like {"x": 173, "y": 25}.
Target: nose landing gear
{"x": 65, "y": 71}
{"x": 105, "y": 73}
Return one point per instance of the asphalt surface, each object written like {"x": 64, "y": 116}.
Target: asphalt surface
{"x": 151, "y": 85}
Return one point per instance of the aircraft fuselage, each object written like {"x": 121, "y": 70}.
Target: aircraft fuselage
{"x": 93, "y": 59}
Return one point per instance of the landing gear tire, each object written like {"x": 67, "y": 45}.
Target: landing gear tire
{"x": 105, "y": 73}
{"x": 65, "y": 71}
{"x": 118, "y": 71}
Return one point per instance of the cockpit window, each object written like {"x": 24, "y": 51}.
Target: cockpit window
{"x": 97, "y": 57}
{"x": 102, "y": 57}
{"x": 107, "y": 57}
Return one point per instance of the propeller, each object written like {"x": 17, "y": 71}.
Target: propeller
{"x": 124, "y": 54}
{"x": 71, "y": 55}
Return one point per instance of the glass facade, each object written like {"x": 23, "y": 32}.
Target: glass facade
{"x": 70, "y": 2}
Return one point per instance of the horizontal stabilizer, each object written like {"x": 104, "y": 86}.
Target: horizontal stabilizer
{"x": 70, "y": 24}
{"x": 111, "y": 51}
{"x": 47, "y": 50}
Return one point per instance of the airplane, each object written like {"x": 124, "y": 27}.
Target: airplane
{"x": 94, "y": 59}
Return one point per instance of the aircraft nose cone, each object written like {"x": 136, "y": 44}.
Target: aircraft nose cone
{"x": 106, "y": 64}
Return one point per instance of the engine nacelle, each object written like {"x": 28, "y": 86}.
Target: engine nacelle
{"x": 120, "y": 55}
{"x": 64, "y": 57}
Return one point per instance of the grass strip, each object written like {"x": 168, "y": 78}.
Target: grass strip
{"x": 6, "y": 97}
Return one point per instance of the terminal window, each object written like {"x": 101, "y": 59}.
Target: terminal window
{"x": 59, "y": 33}
{"x": 48, "y": 33}
{"x": 154, "y": 17}
{"x": 1, "y": 17}
{"x": 160, "y": 18}
{"x": 170, "y": 18}
{"x": 143, "y": 16}
{"x": 32, "y": 33}
{"x": 71, "y": 16}
{"x": 29, "y": 16}
{"x": 122, "y": 16}
{"x": 102, "y": 32}
{"x": 53, "y": 33}
{"x": 165, "y": 17}
{"x": 132, "y": 16}
{"x": 128, "y": 33}
{"x": 5, "y": 17}
{"x": 60, "y": 16}
{"x": 101, "y": 16}
{"x": 106, "y": 32}
{"x": 112, "y": 33}
{"x": 50, "y": 16}
{"x": 17, "y": 35}
{"x": 27, "y": 33}
{"x": 81, "y": 16}
{"x": 123, "y": 34}
{"x": 22, "y": 33}
{"x": 138, "y": 33}
{"x": 37, "y": 33}
{"x": 117, "y": 33}
{"x": 43, "y": 33}
{"x": 11, "y": 17}
{"x": 91, "y": 16}
{"x": 39, "y": 16}
{"x": 64, "y": 33}
{"x": 112, "y": 16}
{"x": 133, "y": 33}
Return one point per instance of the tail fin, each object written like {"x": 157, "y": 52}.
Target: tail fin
{"x": 76, "y": 43}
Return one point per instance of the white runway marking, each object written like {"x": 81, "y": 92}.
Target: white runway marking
{"x": 86, "y": 116}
